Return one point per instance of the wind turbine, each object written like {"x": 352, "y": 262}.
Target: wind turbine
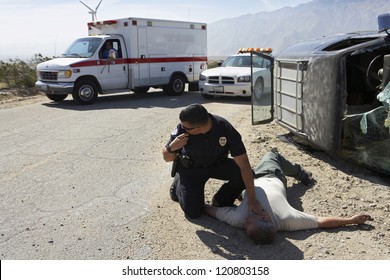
{"x": 92, "y": 12}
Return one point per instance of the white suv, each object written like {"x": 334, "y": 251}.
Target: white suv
{"x": 233, "y": 77}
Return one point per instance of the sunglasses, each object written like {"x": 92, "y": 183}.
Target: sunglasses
{"x": 188, "y": 128}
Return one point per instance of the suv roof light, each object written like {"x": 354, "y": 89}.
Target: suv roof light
{"x": 245, "y": 50}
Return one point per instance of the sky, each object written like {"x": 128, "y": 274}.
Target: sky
{"x": 29, "y": 27}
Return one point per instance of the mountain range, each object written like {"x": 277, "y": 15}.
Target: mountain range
{"x": 281, "y": 28}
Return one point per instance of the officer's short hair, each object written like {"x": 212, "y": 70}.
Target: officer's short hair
{"x": 194, "y": 114}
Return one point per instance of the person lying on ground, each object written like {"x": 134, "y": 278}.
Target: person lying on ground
{"x": 270, "y": 187}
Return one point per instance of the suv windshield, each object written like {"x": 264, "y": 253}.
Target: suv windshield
{"x": 243, "y": 61}
{"x": 84, "y": 47}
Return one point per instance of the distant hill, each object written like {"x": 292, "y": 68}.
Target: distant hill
{"x": 281, "y": 28}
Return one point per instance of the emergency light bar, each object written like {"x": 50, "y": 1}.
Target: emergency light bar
{"x": 245, "y": 50}
{"x": 108, "y": 22}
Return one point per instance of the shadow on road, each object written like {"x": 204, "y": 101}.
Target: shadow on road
{"x": 338, "y": 163}
{"x": 143, "y": 100}
{"x": 232, "y": 243}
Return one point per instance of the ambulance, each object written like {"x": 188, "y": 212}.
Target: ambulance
{"x": 143, "y": 53}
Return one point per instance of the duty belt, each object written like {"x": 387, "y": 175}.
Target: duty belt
{"x": 187, "y": 162}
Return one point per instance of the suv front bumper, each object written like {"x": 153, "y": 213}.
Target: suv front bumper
{"x": 241, "y": 89}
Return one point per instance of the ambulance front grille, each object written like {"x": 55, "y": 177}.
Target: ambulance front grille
{"x": 48, "y": 75}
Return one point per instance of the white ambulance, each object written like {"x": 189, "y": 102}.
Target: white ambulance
{"x": 127, "y": 54}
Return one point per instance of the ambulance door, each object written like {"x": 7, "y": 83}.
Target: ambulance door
{"x": 113, "y": 70}
{"x": 143, "y": 59}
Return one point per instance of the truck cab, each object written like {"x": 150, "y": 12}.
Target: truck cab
{"x": 334, "y": 93}
{"x": 66, "y": 75}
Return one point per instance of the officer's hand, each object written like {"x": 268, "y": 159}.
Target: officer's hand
{"x": 256, "y": 208}
{"x": 264, "y": 215}
{"x": 179, "y": 142}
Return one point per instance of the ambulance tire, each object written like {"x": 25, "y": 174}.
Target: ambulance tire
{"x": 85, "y": 92}
{"x": 176, "y": 86}
{"x": 56, "y": 97}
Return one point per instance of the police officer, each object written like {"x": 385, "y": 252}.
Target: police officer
{"x": 201, "y": 144}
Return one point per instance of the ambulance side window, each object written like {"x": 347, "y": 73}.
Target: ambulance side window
{"x": 110, "y": 44}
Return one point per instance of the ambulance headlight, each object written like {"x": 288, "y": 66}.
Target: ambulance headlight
{"x": 202, "y": 78}
{"x": 65, "y": 74}
{"x": 244, "y": 79}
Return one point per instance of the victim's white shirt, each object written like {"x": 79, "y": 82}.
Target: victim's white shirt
{"x": 269, "y": 191}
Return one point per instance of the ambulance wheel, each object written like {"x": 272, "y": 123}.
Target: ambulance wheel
{"x": 176, "y": 86}
{"x": 56, "y": 97}
{"x": 85, "y": 92}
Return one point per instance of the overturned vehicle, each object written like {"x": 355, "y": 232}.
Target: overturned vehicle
{"x": 334, "y": 92}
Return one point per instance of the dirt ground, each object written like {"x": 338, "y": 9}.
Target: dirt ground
{"x": 341, "y": 189}
{"x": 16, "y": 97}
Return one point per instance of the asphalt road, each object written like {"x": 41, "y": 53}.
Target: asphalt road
{"x": 76, "y": 182}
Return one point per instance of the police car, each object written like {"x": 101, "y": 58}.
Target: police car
{"x": 233, "y": 77}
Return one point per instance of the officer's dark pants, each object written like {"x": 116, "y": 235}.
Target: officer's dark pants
{"x": 190, "y": 184}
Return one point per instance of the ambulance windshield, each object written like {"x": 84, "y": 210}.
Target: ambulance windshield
{"x": 84, "y": 47}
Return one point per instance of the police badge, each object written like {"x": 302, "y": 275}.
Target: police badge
{"x": 222, "y": 141}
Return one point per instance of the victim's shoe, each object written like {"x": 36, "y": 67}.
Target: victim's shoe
{"x": 306, "y": 177}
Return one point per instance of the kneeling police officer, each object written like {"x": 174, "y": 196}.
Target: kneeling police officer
{"x": 200, "y": 146}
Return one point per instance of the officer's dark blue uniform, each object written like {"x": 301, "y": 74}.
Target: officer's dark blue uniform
{"x": 209, "y": 159}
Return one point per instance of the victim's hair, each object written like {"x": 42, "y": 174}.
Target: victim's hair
{"x": 261, "y": 232}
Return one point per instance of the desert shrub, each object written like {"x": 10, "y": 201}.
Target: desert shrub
{"x": 212, "y": 64}
{"x": 17, "y": 73}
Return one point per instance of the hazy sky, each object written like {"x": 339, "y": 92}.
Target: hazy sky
{"x": 28, "y": 27}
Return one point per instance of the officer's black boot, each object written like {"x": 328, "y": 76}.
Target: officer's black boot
{"x": 172, "y": 189}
